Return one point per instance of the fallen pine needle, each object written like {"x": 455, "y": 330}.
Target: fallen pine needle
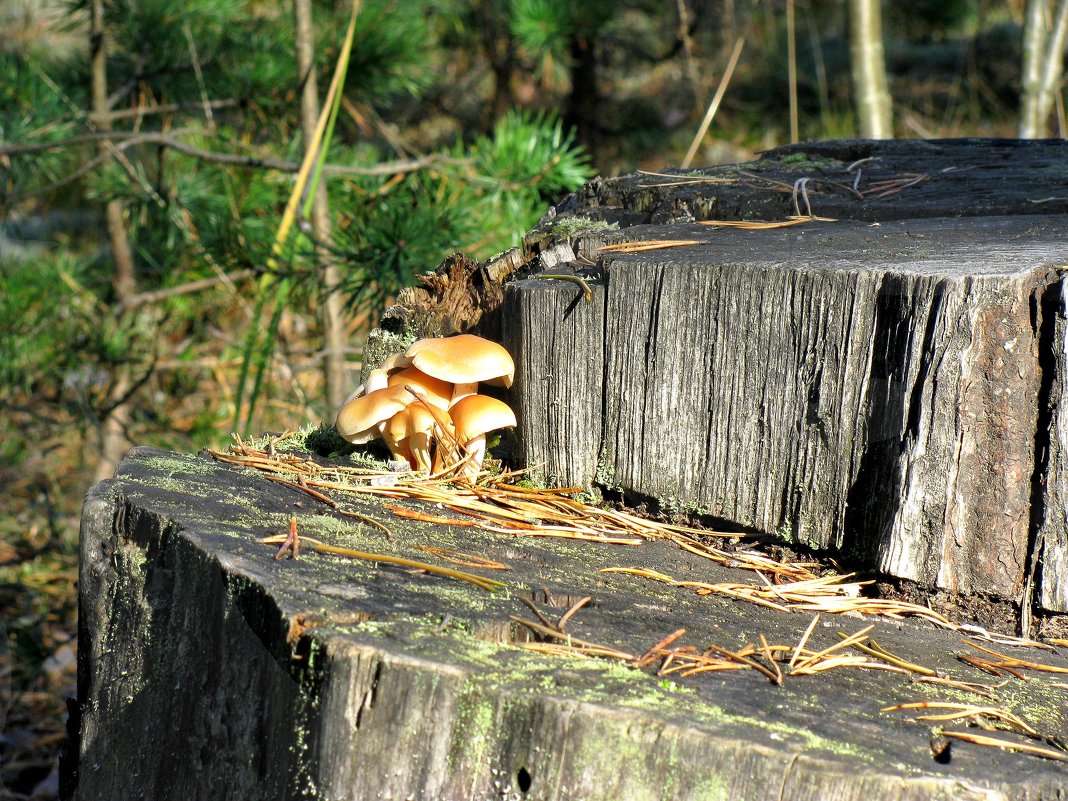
{"x": 412, "y": 514}
{"x": 804, "y": 640}
{"x": 860, "y": 636}
{"x": 1008, "y": 745}
{"x": 761, "y": 225}
{"x": 464, "y": 559}
{"x": 649, "y": 244}
{"x": 587, "y": 648}
{"x": 958, "y": 711}
{"x": 1009, "y": 662}
{"x": 489, "y": 585}
{"x": 874, "y": 649}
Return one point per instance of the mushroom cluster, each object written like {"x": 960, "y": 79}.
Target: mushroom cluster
{"x": 424, "y": 403}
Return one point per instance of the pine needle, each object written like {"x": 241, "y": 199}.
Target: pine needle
{"x": 760, "y": 225}
{"x": 490, "y": 585}
{"x": 1007, "y": 745}
{"x": 649, "y": 244}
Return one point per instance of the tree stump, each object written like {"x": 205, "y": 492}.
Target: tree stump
{"x": 207, "y": 669}
{"x": 887, "y": 385}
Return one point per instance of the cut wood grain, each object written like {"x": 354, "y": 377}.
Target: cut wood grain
{"x": 889, "y": 386}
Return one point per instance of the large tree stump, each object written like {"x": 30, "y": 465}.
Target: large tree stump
{"x": 209, "y": 670}
{"x": 887, "y": 385}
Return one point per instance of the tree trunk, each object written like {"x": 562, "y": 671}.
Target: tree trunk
{"x": 582, "y": 107}
{"x": 346, "y": 680}
{"x": 113, "y": 425}
{"x": 1043, "y": 67}
{"x": 499, "y": 48}
{"x": 332, "y": 308}
{"x": 874, "y": 110}
{"x": 1031, "y": 126}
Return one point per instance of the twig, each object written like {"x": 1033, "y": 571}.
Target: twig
{"x": 714, "y": 105}
{"x": 145, "y": 298}
{"x": 291, "y": 543}
{"x": 129, "y": 139}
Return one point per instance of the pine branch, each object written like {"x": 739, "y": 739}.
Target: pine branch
{"x": 145, "y": 298}
{"x": 125, "y": 140}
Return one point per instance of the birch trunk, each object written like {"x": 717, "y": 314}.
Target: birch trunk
{"x": 870, "y": 85}
{"x": 114, "y": 422}
{"x": 1043, "y": 67}
{"x": 332, "y": 310}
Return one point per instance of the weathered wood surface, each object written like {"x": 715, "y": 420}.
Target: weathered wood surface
{"x": 947, "y": 178}
{"x": 208, "y": 670}
{"x": 884, "y": 390}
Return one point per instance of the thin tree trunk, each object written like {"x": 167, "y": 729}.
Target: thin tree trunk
{"x": 499, "y": 48}
{"x": 583, "y": 102}
{"x": 1053, "y": 65}
{"x": 1043, "y": 67}
{"x": 1034, "y": 43}
{"x": 113, "y": 425}
{"x": 870, "y": 85}
{"x": 332, "y": 316}
{"x": 791, "y": 68}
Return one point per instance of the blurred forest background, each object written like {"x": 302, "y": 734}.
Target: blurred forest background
{"x": 148, "y": 149}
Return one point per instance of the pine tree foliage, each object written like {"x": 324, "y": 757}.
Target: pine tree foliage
{"x": 224, "y": 73}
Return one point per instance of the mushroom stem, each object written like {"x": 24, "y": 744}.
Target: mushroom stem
{"x": 443, "y": 426}
{"x": 463, "y": 390}
{"x": 477, "y": 448}
{"x": 377, "y": 379}
{"x": 400, "y": 450}
{"x": 419, "y": 444}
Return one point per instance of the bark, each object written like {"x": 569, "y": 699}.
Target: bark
{"x": 113, "y": 425}
{"x": 208, "y": 670}
{"x": 1034, "y": 41}
{"x": 332, "y": 312}
{"x": 870, "y": 389}
{"x": 1052, "y": 74}
{"x": 870, "y": 84}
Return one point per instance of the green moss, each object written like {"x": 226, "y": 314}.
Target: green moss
{"x": 325, "y": 441}
{"x": 605, "y": 475}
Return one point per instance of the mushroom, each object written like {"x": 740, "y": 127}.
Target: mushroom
{"x": 395, "y": 434}
{"x": 423, "y": 428}
{"x": 379, "y": 377}
{"x": 463, "y": 360}
{"x": 474, "y": 416}
{"x": 362, "y": 419}
{"x": 434, "y": 390}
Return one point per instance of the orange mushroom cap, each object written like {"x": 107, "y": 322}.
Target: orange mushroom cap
{"x": 358, "y": 420}
{"x": 436, "y": 391}
{"x": 477, "y": 414}
{"x": 463, "y": 359}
